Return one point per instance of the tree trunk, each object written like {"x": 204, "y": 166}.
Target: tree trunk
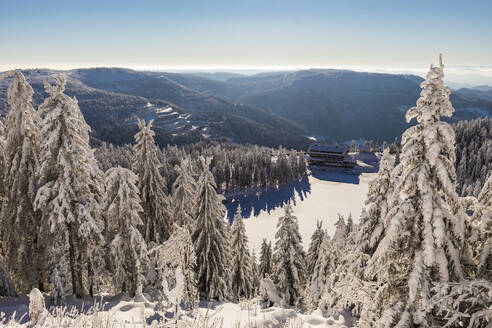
{"x": 74, "y": 265}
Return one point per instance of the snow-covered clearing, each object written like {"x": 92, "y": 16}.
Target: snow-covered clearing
{"x": 164, "y": 110}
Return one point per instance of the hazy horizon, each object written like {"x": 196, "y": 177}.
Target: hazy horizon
{"x": 460, "y": 75}
{"x": 253, "y": 34}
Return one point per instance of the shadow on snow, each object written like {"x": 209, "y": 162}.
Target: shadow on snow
{"x": 336, "y": 175}
{"x": 257, "y": 200}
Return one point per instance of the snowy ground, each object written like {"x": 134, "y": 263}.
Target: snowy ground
{"x": 120, "y": 311}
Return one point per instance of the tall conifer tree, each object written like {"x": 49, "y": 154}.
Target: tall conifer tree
{"x": 289, "y": 258}
{"x": 242, "y": 280}
{"x": 155, "y": 203}
{"x": 211, "y": 238}
{"x": 128, "y": 250}
{"x": 21, "y": 223}
{"x": 422, "y": 242}
{"x": 70, "y": 191}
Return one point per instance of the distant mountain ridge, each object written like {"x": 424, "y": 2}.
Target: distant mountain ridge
{"x": 343, "y": 104}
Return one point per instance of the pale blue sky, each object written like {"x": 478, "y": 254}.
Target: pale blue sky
{"x": 245, "y": 34}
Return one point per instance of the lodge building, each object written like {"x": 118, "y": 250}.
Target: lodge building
{"x": 330, "y": 155}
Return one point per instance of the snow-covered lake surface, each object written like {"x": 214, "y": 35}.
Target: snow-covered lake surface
{"x": 321, "y": 196}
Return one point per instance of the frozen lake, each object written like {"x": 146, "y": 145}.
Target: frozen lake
{"x": 321, "y": 196}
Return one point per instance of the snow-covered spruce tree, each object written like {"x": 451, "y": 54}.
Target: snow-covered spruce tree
{"x": 183, "y": 195}
{"x": 468, "y": 303}
{"x": 346, "y": 288}
{"x": 242, "y": 280}
{"x": 462, "y": 304}
{"x": 70, "y": 191}
{"x": 20, "y": 222}
{"x": 372, "y": 225}
{"x": 266, "y": 260}
{"x": 57, "y": 265}
{"x": 351, "y": 226}
{"x": 145, "y": 164}
{"x": 255, "y": 272}
{"x": 211, "y": 238}
{"x": 289, "y": 259}
{"x": 128, "y": 250}
{"x": 176, "y": 253}
{"x": 330, "y": 255}
{"x": 314, "y": 246}
{"x": 422, "y": 242}
{"x": 6, "y": 283}
{"x": 319, "y": 277}
{"x": 482, "y": 219}
{"x": 349, "y": 290}
{"x": 473, "y": 154}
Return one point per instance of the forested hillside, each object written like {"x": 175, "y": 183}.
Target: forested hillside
{"x": 113, "y": 116}
{"x": 342, "y": 104}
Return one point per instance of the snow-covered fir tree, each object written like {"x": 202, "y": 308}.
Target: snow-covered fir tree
{"x": 211, "y": 238}
{"x": 462, "y": 304}
{"x": 265, "y": 267}
{"x": 128, "y": 250}
{"x": 351, "y": 226}
{"x": 422, "y": 242}
{"x": 346, "y": 289}
{"x": 255, "y": 272}
{"x": 341, "y": 230}
{"x": 183, "y": 195}
{"x": 330, "y": 255}
{"x": 6, "y": 284}
{"x": 242, "y": 280}
{"x": 174, "y": 258}
{"x": 314, "y": 247}
{"x": 473, "y": 154}
{"x": 289, "y": 259}
{"x": 319, "y": 277}
{"x": 20, "y": 221}
{"x": 372, "y": 224}
{"x": 155, "y": 203}
{"x": 69, "y": 194}
{"x": 482, "y": 220}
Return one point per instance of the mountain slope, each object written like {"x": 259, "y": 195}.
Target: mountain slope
{"x": 340, "y": 105}
{"x": 168, "y": 87}
{"x": 112, "y": 116}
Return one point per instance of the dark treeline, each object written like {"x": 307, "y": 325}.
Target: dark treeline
{"x": 234, "y": 166}
{"x": 473, "y": 155}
